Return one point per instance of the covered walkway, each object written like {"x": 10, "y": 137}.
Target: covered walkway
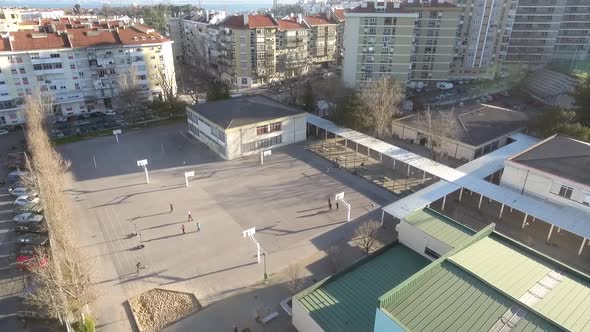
{"x": 470, "y": 178}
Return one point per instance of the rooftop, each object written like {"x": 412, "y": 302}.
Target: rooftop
{"x": 244, "y": 110}
{"x": 318, "y": 19}
{"x": 450, "y": 299}
{"x": 254, "y": 21}
{"x": 439, "y": 227}
{"x": 346, "y": 301}
{"x": 560, "y": 155}
{"x": 289, "y": 24}
{"x": 399, "y": 7}
{"x": 479, "y": 124}
{"x": 548, "y": 287}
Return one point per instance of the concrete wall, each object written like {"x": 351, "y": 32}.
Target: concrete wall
{"x": 293, "y": 130}
{"x": 452, "y": 148}
{"x": 417, "y": 240}
{"x": 302, "y": 320}
{"x": 543, "y": 185}
{"x": 350, "y": 50}
{"x": 384, "y": 324}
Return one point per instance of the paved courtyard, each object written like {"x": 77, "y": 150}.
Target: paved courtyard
{"x": 286, "y": 200}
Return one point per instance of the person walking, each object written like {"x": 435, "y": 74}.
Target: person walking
{"x": 198, "y": 227}
{"x": 329, "y": 204}
{"x": 171, "y": 208}
{"x": 190, "y": 216}
{"x": 137, "y": 267}
{"x": 183, "y": 229}
{"x": 337, "y": 205}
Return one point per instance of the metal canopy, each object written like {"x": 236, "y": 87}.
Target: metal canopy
{"x": 467, "y": 176}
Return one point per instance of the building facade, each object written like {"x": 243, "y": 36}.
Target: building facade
{"x": 555, "y": 170}
{"x": 81, "y": 68}
{"x": 410, "y": 41}
{"x": 549, "y": 30}
{"x": 292, "y": 55}
{"x": 244, "y": 126}
{"x": 323, "y": 43}
{"x": 482, "y": 37}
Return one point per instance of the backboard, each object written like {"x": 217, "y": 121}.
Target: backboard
{"x": 249, "y": 232}
{"x": 189, "y": 174}
{"x": 142, "y": 162}
{"x": 267, "y": 153}
{"x": 339, "y": 196}
{"x": 117, "y": 132}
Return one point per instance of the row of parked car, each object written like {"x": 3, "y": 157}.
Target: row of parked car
{"x": 29, "y": 221}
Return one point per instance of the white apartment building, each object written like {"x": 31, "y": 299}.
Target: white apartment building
{"x": 557, "y": 169}
{"x": 247, "y": 125}
{"x": 80, "y": 67}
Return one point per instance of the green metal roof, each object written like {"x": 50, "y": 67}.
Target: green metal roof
{"x": 516, "y": 270}
{"x": 440, "y": 227}
{"x": 451, "y": 299}
{"x": 347, "y": 302}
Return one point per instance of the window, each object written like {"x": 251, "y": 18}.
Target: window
{"x": 54, "y": 55}
{"x": 244, "y": 81}
{"x": 77, "y": 86}
{"x": 270, "y": 128}
{"x": 261, "y": 144}
{"x": 565, "y": 191}
{"x": 22, "y": 71}
{"x": 72, "y": 66}
{"x": 25, "y": 81}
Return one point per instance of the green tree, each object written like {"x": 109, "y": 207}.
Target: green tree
{"x": 582, "y": 96}
{"x": 308, "y": 98}
{"x": 554, "y": 121}
{"x": 217, "y": 91}
{"x": 348, "y": 113}
{"x": 77, "y": 8}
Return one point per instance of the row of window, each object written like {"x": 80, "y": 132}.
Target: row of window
{"x": 45, "y": 66}
{"x": 262, "y": 143}
{"x": 268, "y": 128}
{"x": 486, "y": 149}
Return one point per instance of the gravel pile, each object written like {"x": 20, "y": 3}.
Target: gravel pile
{"x": 158, "y": 308}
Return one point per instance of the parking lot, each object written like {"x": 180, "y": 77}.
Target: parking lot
{"x": 11, "y": 280}
{"x": 286, "y": 200}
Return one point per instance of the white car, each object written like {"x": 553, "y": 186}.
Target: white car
{"x": 3, "y": 132}
{"x": 24, "y": 200}
{"x": 110, "y": 113}
{"x": 23, "y": 191}
{"x": 444, "y": 85}
{"x": 28, "y": 217}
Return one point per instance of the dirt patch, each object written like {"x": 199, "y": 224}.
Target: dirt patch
{"x": 158, "y": 308}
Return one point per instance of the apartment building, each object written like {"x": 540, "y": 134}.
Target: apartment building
{"x": 80, "y": 68}
{"x": 482, "y": 37}
{"x": 322, "y": 46}
{"x": 410, "y": 41}
{"x": 337, "y": 14}
{"x": 248, "y": 49}
{"x": 10, "y": 19}
{"x": 549, "y": 30}
{"x": 292, "y": 55}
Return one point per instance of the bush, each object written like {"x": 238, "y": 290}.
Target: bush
{"x": 86, "y": 326}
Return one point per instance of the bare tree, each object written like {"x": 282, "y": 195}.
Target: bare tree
{"x": 295, "y": 278}
{"x": 381, "y": 101}
{"x": 366, "y": 235}
{"x": 131, "y": 99}
{"x": 166, "y": 80}
{"x": 438, "y": 127}
{"x": 64, "y": 288}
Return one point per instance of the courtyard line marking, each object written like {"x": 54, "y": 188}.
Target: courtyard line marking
{"x": 133, "y": 252}
{"x": 109, "y": 242}
{"x": 120, "y": 252}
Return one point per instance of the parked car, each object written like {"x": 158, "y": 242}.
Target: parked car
{"x": 32, "y": 239}
{"x": 28, "y": 250}
{"x": 61, "y": 119}
{"x": 25, "y": 262}
{"x": 56, "y": 133}
{"x": 23, "y": 191}
{"x": 444, "y": 85}
{"x": 3, "y": 132}
{"x": 110, "y": 113}
{"x": 30, "y": 227}
{"x": 28, "y": 208}
{"x": 26, "y": 199}
{"x": 16, "y": 176}
{"x": 28, "y": 216}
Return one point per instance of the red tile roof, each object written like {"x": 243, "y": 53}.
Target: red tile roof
{"x": 318, "y": 19}
{"x": 339, "y": 13}
{"x": 30, "y": 23}
{"x": 133, "y": 36}
{"x": 254, "y": 21}
{"x": 90, "y": 37}
{"x": 28, "y": 41}
{"x": 289, "y": 24}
